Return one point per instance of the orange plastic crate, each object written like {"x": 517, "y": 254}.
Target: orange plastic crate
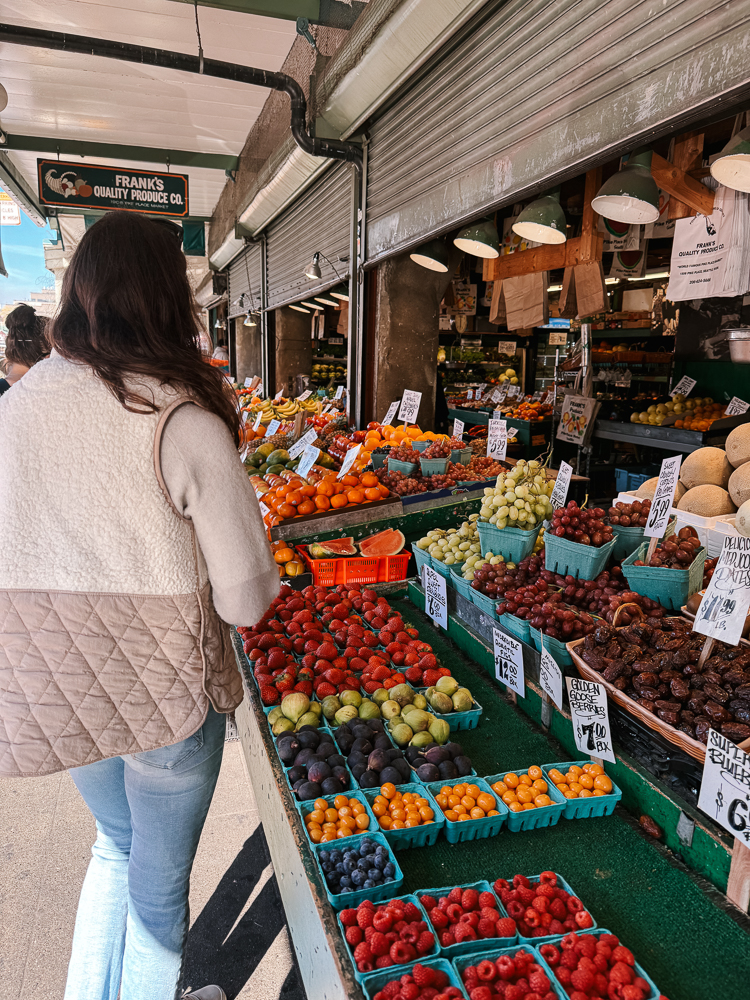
{"x": 356, "y": 569}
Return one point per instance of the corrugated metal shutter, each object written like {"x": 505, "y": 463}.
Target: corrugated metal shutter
{"x": 318, "y": 221}
{"x": 245, "y": 279}
{"x": 531, "y": 90}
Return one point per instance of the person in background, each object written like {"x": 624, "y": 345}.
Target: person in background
{"x": 131, "y": 536}
{"x": 25, "y": 344}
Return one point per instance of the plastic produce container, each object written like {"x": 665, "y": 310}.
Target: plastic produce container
{"x": 628, "y": 539}
{"x": 415, "y": 836}
{"x": 584, "y": 562}
{"x": 375, "y": 981}
{"x": 422, "y": 558}
{"x": 344, "y": 900}
{"x": 397, "y": 970}
{"x": 305, "y": 808}
{"x": 554, "y": 646}
{"x": 458, "y": 583}
{"x": 487, "y": 604}
{"x": 467, "y": 947}
{"x": 406, "y": 467}
{"x": 433, "y": 466}
{"x": 472, "y": 829}
{"x": 518, "y": 627}
{"x": 513, "y": 544}
{"x": 531, "y": 819}
{"x": 670, "y": 587}
{"x": 355, "y": 569}
{"x": 597, "y": 805}
{"x": 479, "y": 953}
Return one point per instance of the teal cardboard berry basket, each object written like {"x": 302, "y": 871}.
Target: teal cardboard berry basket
{"x": 554, "y": 646}
{"x": 561, "y": 884}
{"x": 467, "y": 947}
{"x": 518, "y": 627}
{"x": 492, "y": 954}
{"x": 397, "y": 970}
{"x": 586, "y": 808}
{"x": 433, "y": 466}
{"x": 344, "y": 900}
{"x": 487, "y": 604}
{"x": 461, "y": 456}
{"x": 584, "y": 562}
{"x": 628, "y": 539}
{"x": 305, "y": 808}
{"x": 670, "y": 587}
{"x": 637, "y": 968}
{"x": 406, "y": 467}
{"x": 459, "y": 721}
{"x": 532, "y": 819}
{"x": 422, "y": 558}
{"x": 415, "y": 836}
{"x": 472, "y": 829}
{"x": 373, "y": 983}
{"x": 513, "y": 544}
{"x": 458, "y": 583}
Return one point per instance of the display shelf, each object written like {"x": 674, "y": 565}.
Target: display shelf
{"x": 628, "y": 334}
{"x": 668, "y": 438}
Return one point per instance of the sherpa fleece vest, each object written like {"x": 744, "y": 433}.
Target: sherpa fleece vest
{"x": 109, "y": 642}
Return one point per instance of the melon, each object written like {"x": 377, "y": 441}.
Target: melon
{"x": 742, "y": 519}
{"x": 739, "y": 484}
{"x": 646, "y": 490}
{"x": 707, "y": 501}
{"x": 706, "y": 467}
{"x": 738, "y": 445}
{"x": 338, "y": 547}
{"x": 385, "y": 543}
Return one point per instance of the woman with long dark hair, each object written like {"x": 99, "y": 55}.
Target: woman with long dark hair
{"x": 25, "y": 344}
{"x": 132, "y": 536}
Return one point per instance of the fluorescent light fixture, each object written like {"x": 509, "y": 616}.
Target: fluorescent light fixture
{"x": 300, "y": 309}
{"x": 250, "y": 320}
{"x": 542, "y": 221}
{"x": 312, "y": 271}
{"x": 732, "y": 166}
{"x": 341, "y": 292}
{"x": 631, "y": 195}
{"x": 432, "y": 255}
{"x": 479, "y": 239}
{"x": 325, "y": 301}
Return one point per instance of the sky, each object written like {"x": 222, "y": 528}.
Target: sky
{"x": 24, "y": 260}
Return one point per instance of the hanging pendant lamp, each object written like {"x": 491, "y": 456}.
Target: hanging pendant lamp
{"x": 543, "y": 221}
{"x": 480, "y": 239}
{"x": 631, "y": 195}
{"x": 732, "y": 166}
{"x": 432, "y": 255}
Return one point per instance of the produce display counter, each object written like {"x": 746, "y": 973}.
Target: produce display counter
{"x": 690, "y": 941}
{"x": 675, "y": 439}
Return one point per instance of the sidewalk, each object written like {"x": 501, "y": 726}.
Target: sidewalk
{"x": 238, "y": 936}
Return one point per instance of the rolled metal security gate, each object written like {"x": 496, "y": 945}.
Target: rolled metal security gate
{"x": 531, "y": 90}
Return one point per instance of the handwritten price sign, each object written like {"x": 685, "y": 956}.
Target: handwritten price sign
{"x": 590, "y": 716}
{"x": 562, "y": 485}
{"x": 663, "y": 497}
{"x": 684, "y": 387}
{"x": 509, "y": 662}
{"x": 458, "y": 428}
{"x": 736, "y": 407}
{"x": 550, "y": 676}
{"x": 497, "y": 439}
{"x": 436, "y": 596}
{"x": 410, "y": 406}
{"x": 725, "y": 788}
{"x": 349, "y": 460}
{"x": 722, "y": 612}
{"x": 388, "y": 418}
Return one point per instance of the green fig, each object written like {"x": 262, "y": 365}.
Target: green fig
{"x": 447, "y": 685}
{"x": 420, "y": 701}
{"x": 421, "y": 739}
{"x": 345, "y": 714}
{"x": 282, "y": 725}
{"x": 401, "y": 734}
{"x": 316, "y": 707}
{"x": 295, "y": 705}
{"x": 462, "y": 700}
{"x": 390, "y": 709}
{"x": 274, "y": 714}
{"x": 351, "y": 698}
{"x": 308, "y": 719}
{"x": 381, "y": 695}
{"x": 330, "y": 706}
{"x": 441, "y": 703}
{"x": 418, "y": 720}
{"x": 403, "y": 694}
{"x": 440, "y": 731}
{"x": 368, "y": 710}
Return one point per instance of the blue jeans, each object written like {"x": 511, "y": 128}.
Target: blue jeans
{"x": 133, "y": 916}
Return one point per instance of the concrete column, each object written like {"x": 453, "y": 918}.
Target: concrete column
{"x": 247, "y": 347}
{"x": 293, "y": 348}
{"x": 406, "y": 331}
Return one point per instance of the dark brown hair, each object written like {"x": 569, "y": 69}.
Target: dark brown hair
{"x": 26, "y": 342}
{"x": 127, "y": 310}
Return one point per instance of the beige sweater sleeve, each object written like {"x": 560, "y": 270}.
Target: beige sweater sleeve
{"x": 208, "y": 484}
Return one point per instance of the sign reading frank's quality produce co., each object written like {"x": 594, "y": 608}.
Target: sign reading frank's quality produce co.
{"x": 86, "y": 185}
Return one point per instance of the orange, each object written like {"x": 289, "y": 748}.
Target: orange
{"x": 460, "y": 809}
{"x": 339, "y": 500}
{"x": 509, "y": 797}
{"x": 446, "y": 790}
{"x": 324, "y": 488}
{"x": 350, "y": 480}
{"x": 356, "y": 807}
{"x": 469, "y": 801}
{"x": 368, "y": 479}
{"x": 586, "y": 780}
{"x": 397, "y": 813}
{"x": 524, "y": 779}
{"x": 331, "y": 815}
{"x": 426, "y": 813}
{"x": 343, "y": 832}
{"x": 585, "y": 793}
{"x": 286, "y": 510}
{"x": 442, "y": 801}
{"x": 511, "y": 780}
{"x": 542, "y": 800}
{"x": 451, "y": 816}
{"x": 385, "y": 822}
{"x": 493, "y": 812}
{"x": 539, "y": 785}
{"x": 316, "y": 835}
{"x": 500, "y": 787}
{"x": 321, "y": 804}
{"x": 349, "y": 822}
{"x": 524, "y": 794}
{"x": 398, "y": 824}
{"x": 454, "y": 800}
{"x": 306, "y": 507}
{"x": 355, "y": 496}
{"x": 307, "y": 490}
{"x": 515, "y": 807}
{"x": 535, "y": 772}
{"x": 372, "y": 493}
{"x": 462, "y": 819}
{"x": 529, "y": 805}
{"x": 343, "y": 810}
{"x": 317, "y": 815}
{"x": 460, "y": 789}
{"x": 294, "y": 498}
{"x": 322, "y": 502}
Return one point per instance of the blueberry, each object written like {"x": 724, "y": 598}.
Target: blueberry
{"x": 389, "y": 871}
{"x": 363, "y": 865}
{"x": 368, "y": 884}
{"x": 348, "y": 867}
{"x": 389, "y": 878}
{"x": 375, "y": 875}
{"x": 345, "y": 889}
{"x": 345, "y": 882}
{"x": 358, "y": 878}
{"x": 340, "y": 868}
{"x": 335, "y": 856}
{"x": 381, "y": 863}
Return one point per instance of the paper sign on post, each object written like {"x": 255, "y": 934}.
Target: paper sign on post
{"x": 305, "y": 395}
{"x": 509, "y": 662}
{"x": 562, "y": 485}
{"x": 388, "y": 418}
{"x": 480, "y": 390}
{"x": 272, "y": 428}
{"x": 725, "y": 787}
{"x": 550, "y": 676}
{"x": 497, "y": 439}
{"x": 736, "y": 407}
{"x": 259, "y": 389}
{"x": 249, "y": 381}
{"x": 436, "y": 596}
{"x": 339, "y": 392}
{"x": 661, "y": 505}
{"x": 514, "y": 390}
{"x": 303, "y": 442}
{"x": 258, "y": 419}
{"x": 410, "y": 406}
{"x": 575, "y": 419}
{"x": 469, "y": 393}
{"x": 245, "y": 416}
{"x": 511, "y": 432}
{"x": 685, "y": 386}
{"x": 308, "y": 460}
{"x": 458, "y": 428}
{"x": 590, "y": 716}
{"x": 723, "y": 609}
{"x": 279, "y": 394}
{"x": 263, "y": 509}
{"x": 349, "y": 460}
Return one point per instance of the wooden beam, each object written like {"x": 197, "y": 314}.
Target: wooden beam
{"x": 590, "y": 219}
{"x": 545, "y": 258}
{"x": 680, "y": 185}
{"x": 688, "y": 156}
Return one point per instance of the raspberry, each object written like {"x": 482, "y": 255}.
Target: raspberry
{"x": 621, "y": 973}
{"x": 487, "y": 929}
{"x": 569, "y": 959}
{"x": 501, "y": 883}
{"x": 486, "y": 899}
{"x": 539, "y": 982}
{"x": 428, "y": 902}
{"x": 454, "y": 912}
{"x": 506, "y": 968}
{"x": 546, "y": 890}
{"x": 446, "y": 939}
{"x": 516, "y": 909}
{"x": 429, "y": 993}
{"x": 582, "y": 980}
{"x": 392, "y": 988}
{"x": 540, "y": 903}
{"x": 423, "y": 975}
{"x": 486, "y": 971}
{"x": 425, "y": 942}
{"x": 438, "y": 919}
{"x": 505, "y": 927}
{"x": 569, "y": 942}
{"x": 587, "y": 945}
{"x": 441, "y": 979}
{"x": 532, "y": 917}
{"x": 472, "y": 919}
{"x": 379, "y": 944}
{"x": 555, "y": 928}
{"x": 562, "y": 974}
{"x": 558, "y": 909}
{"x": 480, "y": 993}
{"x": 454, "y": 896}
{"x": 609, "y": 939}
{"x": 513, "y": 992}
{"x": 601, "y": 985}
{"x": 487, "y": 914}
{"x": 410, "y": 991}
{"x": 550, "y": 954}
{"x": 353, "y": 936}
{"x": 364, "y": 916}
{"x": 382, "y": 921}
{"x": 641, "y": 984}
{"x": 409, "y": 933}
{"x": 369, "y": 931}
{"x": 348, "y": 917}
{"x": 600, "y": 962}
{"x": 391, "y": 936}
{"x": 574, "y": 904}
{"x": 625, "y": 955}
{"x": 577, "y": 995}
{"x": 525, "y": 894}
{"x": 411, "y": 912}
{"x": 470, "y": 899}
{"x": 362, "y": 954}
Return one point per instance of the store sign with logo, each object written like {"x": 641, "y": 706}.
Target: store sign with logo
{"x": 85, "y": 185}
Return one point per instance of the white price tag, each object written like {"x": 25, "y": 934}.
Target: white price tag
{"x": 349, "y": 460}
{"x": 514, "y": 390}
{"x": 511, "y": 433}
{"x": 388, "y": 418}
{"x": 469, "y": 393}
{"x": 661, "y": 505}
{"x": 562, "y": 485}
{"x": 497, "y": 439}
{"x": 258, "y": 420}
{"x": 736, "y": 407}
{"x": 723, "y": 609}
{"x": 245, "y": 416}
{"x": 258, "y": 390}
{"x": 590, "y": 716}
{"x": 279, "y": 394}
{"x": 558, "y": 338}
{"x": 478, "y": 392}
{"x": 409, "y": 406}
{"x": 458, "y": 428}
{"x": 550, "y": 676}
{"x": 509, "y": 662}
{"x": 339, "y": 392}
{"x": 506, "y": 347}
{"x": 308, "y": 460}
{"x": 303, "y": 442}
{"x": 685, "y": 386}
{"x": 273, "y": 427}
{"x": 243, "y": 453}
{"x": 249, "y": 380}
{"x": 305, "y": 395}
{"x": 496, "y": 395}
{"x": 725, "y": 787}
{"x": 263, "y": 509}
{"x": 436, "y": 596}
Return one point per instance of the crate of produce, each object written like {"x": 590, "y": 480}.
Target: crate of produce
{"x": 559, "y": 883}
{"x": 385, "y": 890}
{"x": 378, "y": 461}
{"x": 628, "y": 539}
{"x": 480, "y": 952}
{"x": 518, "y": 627}
{"x": 433, "y": 466}
{"x": 373, "y": 983}
{"x": 487, "y": 604}
{"x": 702, "y": 525}
{"x": 355, "y": 569}
{"x": 586, "y": 808}
{"x": 670, "y": 587}
{"x": 466, "y": 947}
{"x": 723, "y": 527}
{"x": 458, "y": 583}
{"x": 513, "y": 544}
{"x": 638, "y": 969}
{"x": 306, "y": 809}
{"x": 581, "y": 561}
{"x": 421, "y": 557}
{"x": 414, "y": 836}
{"x": 531, "y": 819}
{"x": 461, "y": 456}
{"x": 406, "y": 467}
{"x": 558, "y": 649}
{"x": 471, "y": 829}
{"x": 621, "y": 480}
{"x": 459, "y": 721}
{"x": 396, "y": 970}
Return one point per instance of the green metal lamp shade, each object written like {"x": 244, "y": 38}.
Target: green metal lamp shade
{"x": 543, "y": 221}
{"x": 479, "y": 239}
{"x": 631, "y": 195}
{"x": 300, "y": 309}
{"x": 732, "y": 166}
{"x": 340, "y": 292}
{"x": 432, "y": 255}
{"x": 325, "y": 300}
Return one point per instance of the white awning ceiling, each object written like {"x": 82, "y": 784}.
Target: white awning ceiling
{"x": 79, "y": 97}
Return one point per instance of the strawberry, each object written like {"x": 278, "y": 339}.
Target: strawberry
{"x": 269, "y": 695}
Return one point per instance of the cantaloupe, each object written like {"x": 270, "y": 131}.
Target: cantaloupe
{"x": 646, "y": 490}
{"x": 742, "y": 519}
{"x": 707, "y": 501}
{"x": 739, "y": 484}
{"x": 738, "y": 445}
{"x": 706, "y": 467}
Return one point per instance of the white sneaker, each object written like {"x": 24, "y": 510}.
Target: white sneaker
{"x": 207, "y": 993}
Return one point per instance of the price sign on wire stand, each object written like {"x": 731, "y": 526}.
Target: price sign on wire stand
{"x": 272, "y": 428}
{"x": 509, "y": 662}
{"x": 736, "y": 407}
{"x": 303, "y": 442}
{"x": 436, "y": 596}
{"x": 562, "y": 485}
{"x": 263, "y": 509}
{"x": 409, "y": 406}
{"x": 661, "y": 505}
{"x": 469, "y": 393}
{"x": 258, "y": 419}
{"x": 339, "y": 392}
{"x": 458, "y": 428}
{"x": 723, "y": 609}
{"x": 550, "y": 676}
{"x": 388, "y": 418}
{"x": 684, "y": 387}
{"x": 497, "y": 439}
{"x": 349, "y": 460}
{"x": 590, "y": 716}
{"x": 478, "y": 392}
{"x": 511, "y": 432}
{"x": 305, "y": 395}
{"x": 308, "y": 460}
{"x": 279, "y": 394}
